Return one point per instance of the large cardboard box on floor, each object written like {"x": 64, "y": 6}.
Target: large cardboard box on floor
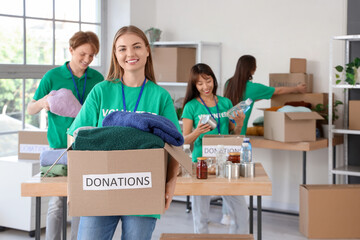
{"x": 130, "y": 182}
{"x": 291, "y": 80}
{"x": 290, "y": 126}
{"x": 330, "y": 211}
{"x": 313, "y": 98}
{"x": 184, "y": 236}
{"x": 231, "y": 143}
{"x": 354, "y": 114}
{"x": 31, "y": 144}
{"x": 173, "y": 64}
{"x": 297, "y": 65}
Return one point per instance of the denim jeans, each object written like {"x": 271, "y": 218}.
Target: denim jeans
{"x": 103, "y": 227}
{"x": 236, "y": 207}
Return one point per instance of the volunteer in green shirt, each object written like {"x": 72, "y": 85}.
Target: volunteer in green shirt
{"x": 80, "y": 79}
{"x": 240, "y": 87}
{"x": 201, "y": 100}
{"x": 130, "y": 80}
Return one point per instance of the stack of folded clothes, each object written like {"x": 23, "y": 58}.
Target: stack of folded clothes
{"x": 48, "y": 158}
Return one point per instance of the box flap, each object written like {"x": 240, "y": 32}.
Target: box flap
{"x": 304, "y": 115}
{"x": 180, "y": 156}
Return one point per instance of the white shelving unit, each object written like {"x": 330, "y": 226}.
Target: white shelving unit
{"x": 333, "y": 168}
{"x": 201, "y": 49}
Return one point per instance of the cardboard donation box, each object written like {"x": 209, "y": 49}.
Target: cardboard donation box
{"x": 297, "y": 65}
{"x": 313, "y": 98}
{"x": 173, "y": 64}
{"x": 291, "y": 80}
{"x": 354, "y": 115}
{"x": 330, "y": 211}
{"x": 290, "y": 126}
{"x": 128, "y": 182}
{"x": 231, "y": 143}
{"x": 184, "y": 236}
{"x": 31, "y": 144}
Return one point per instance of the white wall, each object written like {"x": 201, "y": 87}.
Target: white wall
{"x": 273, "y": 31}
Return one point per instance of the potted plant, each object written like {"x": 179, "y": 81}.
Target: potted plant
{"x": 324, "y": 112}
{"x": 153, "y": 35}
{"x": 351, "y": 72}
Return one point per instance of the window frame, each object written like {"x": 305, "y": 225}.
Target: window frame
{"x": 36, "y": 71}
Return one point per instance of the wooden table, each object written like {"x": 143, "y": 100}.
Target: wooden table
{"x": 260, "y": 142}
{"x": 258, "y": 186}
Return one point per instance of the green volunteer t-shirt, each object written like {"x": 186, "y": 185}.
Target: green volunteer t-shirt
{"x": 56, "y": 79}
{"x": 255, "y": 91}
{"x": 106, "y": 97}
{"x": 194, "y": 110}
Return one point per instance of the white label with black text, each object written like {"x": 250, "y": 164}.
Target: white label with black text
{"x": 210, "y": 150}
{"x": 117, "y": 181}
{"x": 33, "y": 148}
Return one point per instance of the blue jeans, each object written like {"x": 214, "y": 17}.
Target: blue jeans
{"x": 103, "y": 227}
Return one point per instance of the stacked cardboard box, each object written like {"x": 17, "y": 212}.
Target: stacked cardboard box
{"x": 31, "y": 144}
{"x": 354, "y": 115}
{"x": 330, "y": 211}
{"x": 184, "y": 236}
{"x": 296, "y": 76}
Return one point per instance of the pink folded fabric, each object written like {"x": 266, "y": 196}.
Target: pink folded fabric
{"x": 62, "y": 102}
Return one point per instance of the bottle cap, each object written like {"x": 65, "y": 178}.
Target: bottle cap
{"x": 248, "y": 101}
{"x": 186, "y": 146}
{"x": 246, "y": 139}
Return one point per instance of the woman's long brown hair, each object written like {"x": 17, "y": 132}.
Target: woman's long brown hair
{"x": 197, "y": 70}
{"x": 236, "y": 86}
{"x": 115, "y": 70}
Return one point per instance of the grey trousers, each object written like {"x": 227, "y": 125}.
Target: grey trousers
{"x": 54, "y": 220}
{"x": 236, "y": 207}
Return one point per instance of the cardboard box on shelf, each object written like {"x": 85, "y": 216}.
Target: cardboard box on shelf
{"x": 173, "y": 64}
{"x": 297, "y": 65}
{"x": 131, "y": 182}
{"x": 313, "y": 98}
{"x": 184, "y": 236}
{"x": 354, "y": 114}
{"x": 330, "y": 211}
{"x": 291, "y": 80}
{"x": 31, "y": 144}
{"x": 232, "y": 143}
{"x": 290, "y": 126}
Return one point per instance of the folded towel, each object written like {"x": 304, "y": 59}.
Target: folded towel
{"x": 47, "y": 158}
{"x": 299, "y": 104}
{"x": 81, "y": 128}
{"x": 155, "y": 124}
{"x": 288, "y": 108}
{"x": 56, "y": 171}
{"x": 116, "y": 138}
{"x": 62, "y": 102}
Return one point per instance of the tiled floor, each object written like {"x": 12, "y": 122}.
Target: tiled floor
{"x": 176, "y": 220}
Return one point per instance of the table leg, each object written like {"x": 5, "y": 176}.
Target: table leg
{"x": 251, "y": 215}
{"x": 64, "y": 199}
{"x": 259, "y": 212}
{"x": 304, "y": 167}
{"x": 334, "y": 163}
{"x": 37, "y": 218}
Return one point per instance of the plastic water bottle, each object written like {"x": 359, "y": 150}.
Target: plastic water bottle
{"x": 246, "y": 151}
{"x": 220, "y": 160}
{"x": 242, "y": 106}
{"x": 186, "y": 148}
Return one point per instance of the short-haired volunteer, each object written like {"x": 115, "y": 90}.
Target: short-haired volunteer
{"x": 77, "y": 76}
{"x": 130, "y": 86}
{"x": 201, "y": 100}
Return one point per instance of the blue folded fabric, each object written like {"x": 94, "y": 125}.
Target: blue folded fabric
{"x": 289, "y": 108}
{"x": 155, "y": 124}
{"x": 47, "y": 158}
